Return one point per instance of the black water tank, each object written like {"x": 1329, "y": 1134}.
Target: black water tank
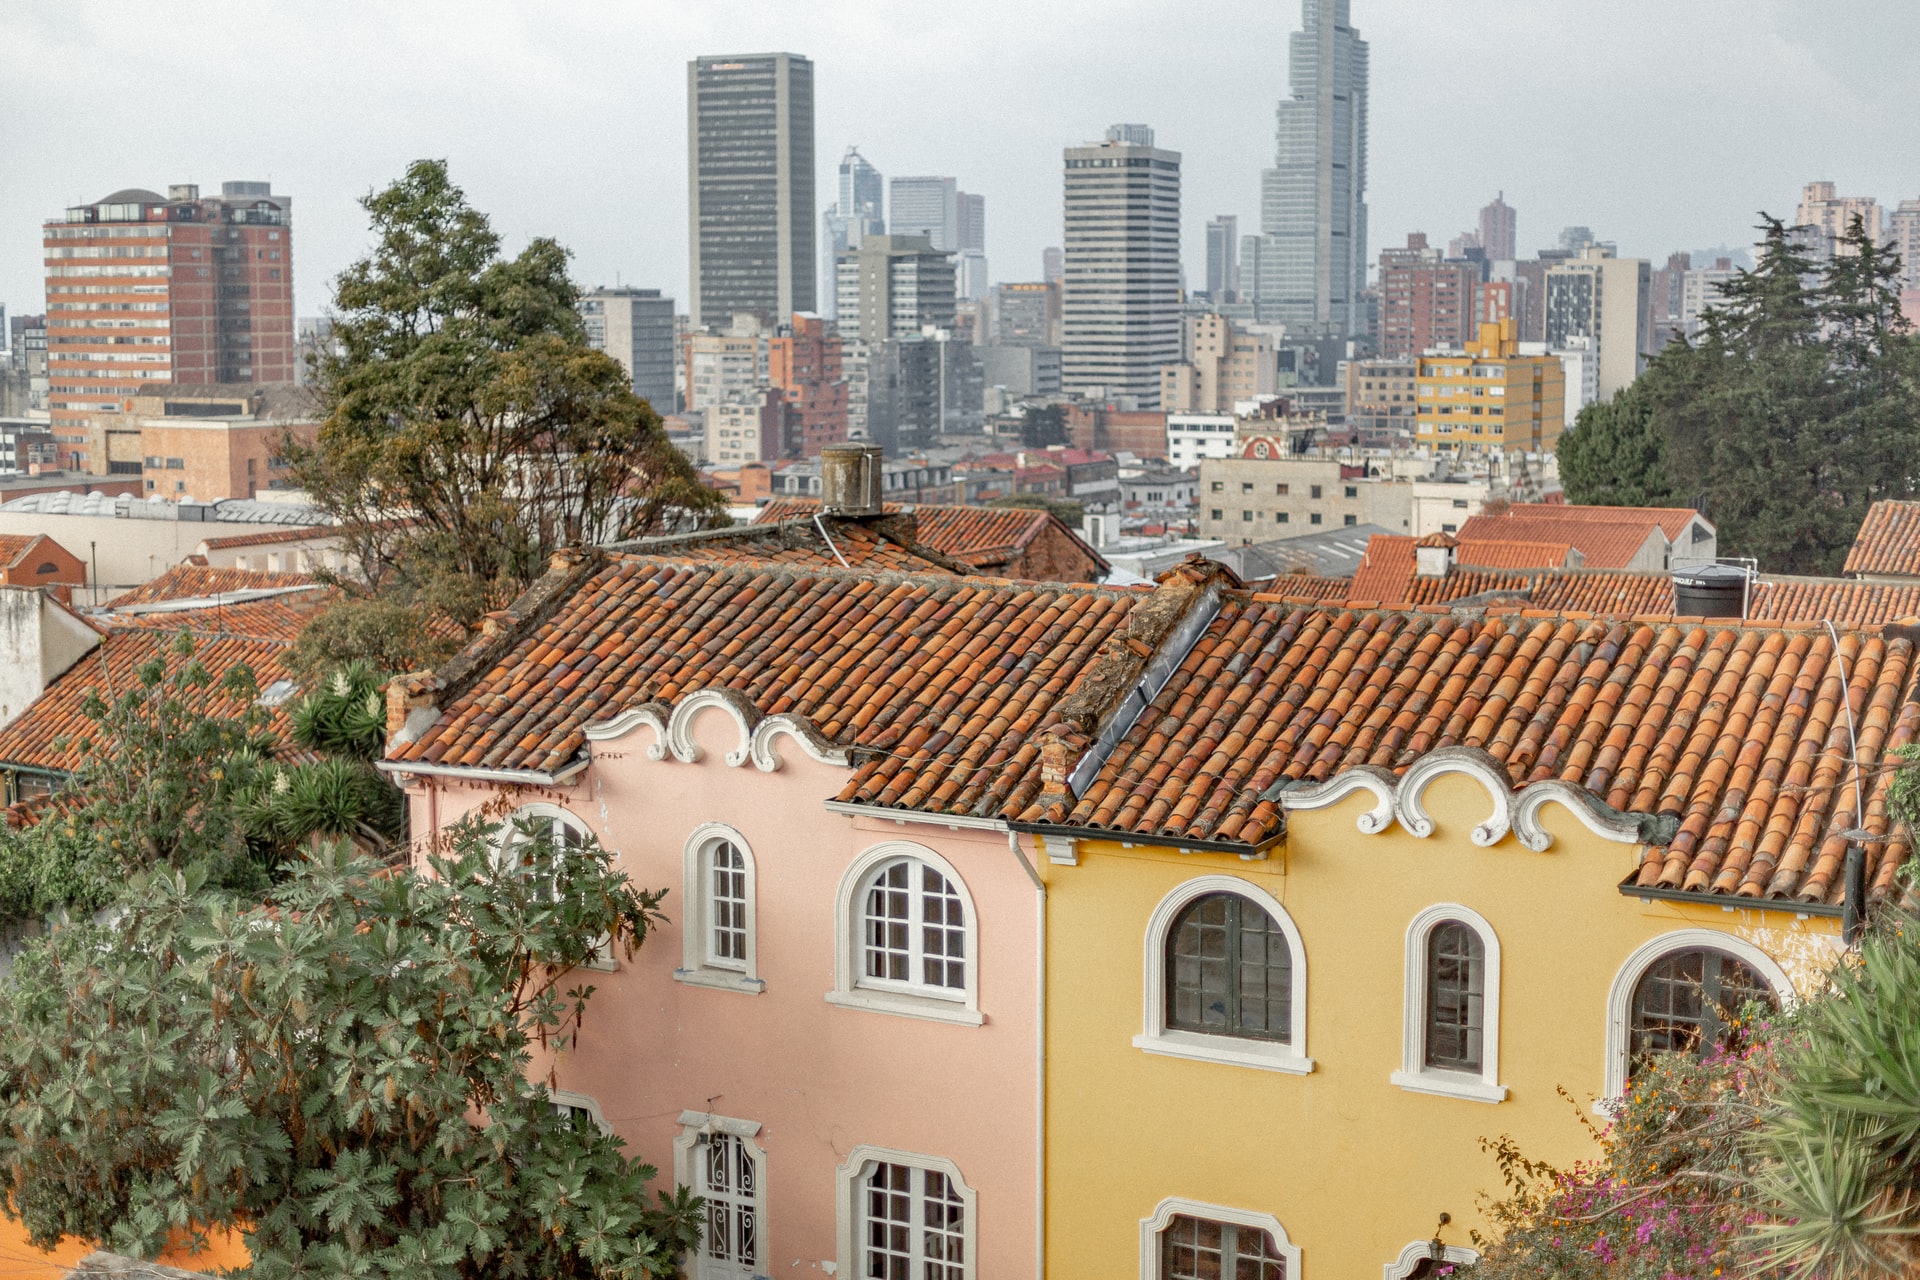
{"x": 1710, "y": 591}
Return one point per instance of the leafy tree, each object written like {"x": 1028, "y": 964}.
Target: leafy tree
{"x": 1043, "y": 425}
{"x": 166, "y": 768}
{"x": 341, "y": 1074}
{"x": 469, "y": 430}
{"x": 1616, "y": 455}
{"x": 1667, "y": 1198}
{"x": 1798, "y": 407}
{"x": 384, "y": 632}
{"x": 1066, "y": 510}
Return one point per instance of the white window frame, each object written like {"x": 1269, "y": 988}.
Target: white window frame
{"x": 1156, "y": 1037}
{"x": 1415, "y": 1253}
{"x": 1620, "y": 995}
{"x": 695, "y": 1125}
{"x": 697, "y": 968}
{"x": 586, "y": 1102}
{"x": 1414, "y": 1075}
{"x": 1174, "y": 1206}
{"x": 850, "y": 990}
{"x": 850, "y": 1203}
{"x": 505, "y": 857}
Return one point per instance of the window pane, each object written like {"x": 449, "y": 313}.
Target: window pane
{"x": 944, "y": 1237}
{"x": 727, "y": 903}
{"x": 1456, "y": 989}
{"x": 1199, "y": 1249}
{"x": 888, "y": 925}
{"x": 1681, "y": 1001}
{"x": 1229, "y": 970}
{"x": 943, "y": 932}
{"x": 915, "y": 928}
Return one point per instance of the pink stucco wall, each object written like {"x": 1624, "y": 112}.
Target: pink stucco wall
{"x": 820, "y": 1079}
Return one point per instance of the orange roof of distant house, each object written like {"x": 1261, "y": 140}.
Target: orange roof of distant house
{"x": 1673, "y": 521}
{"x": 191, "y": 582}
{"x": 1488, "y": 554}
{"x": 1604, "y": 544}
{"x": 1888, "y": 542}
{"x": 302, "y": 534}
{"x": 987, "y": 538}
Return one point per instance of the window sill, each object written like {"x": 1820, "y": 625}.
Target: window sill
{"x": 906, "y": 1006}
{"x": 1226, "y": 1051}
{"x": 1450, "y": 1084}
{"x": 720, "y": 980}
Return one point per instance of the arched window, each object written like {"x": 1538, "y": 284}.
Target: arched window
{"x": 1673, "y": 994}
{"x": 905, "y": 1215}
{"x": 719, "y": 947}
{"x": 1187, "y": 1240}
{"x": 1451, "y": 1037}
{"x": 1225, "y": 977}
{"x": 905, "y": 937}
{"x": 536, "y": 830}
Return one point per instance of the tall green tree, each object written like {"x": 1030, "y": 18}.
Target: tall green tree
{"x": 469, "y": 430}
{"x": 1798, "y": 406}
{"x": 343, "y": 1073}
{"x": 1616, "y": 454}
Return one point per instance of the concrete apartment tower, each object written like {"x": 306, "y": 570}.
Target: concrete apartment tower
{"x": 1829, "y": 215}
{"x": 859, "y": 212}
{"x": 1605, "y": 300}
{"x": 201, "y": 291}
{"x": 750, "y": 186}
{"x": 1498, "y": 225}
{"x": 893, "y": 286}
{"x": 1121, "y": 306}
{"x": 1307, "y": 269}
{"x": 635, "y": 327}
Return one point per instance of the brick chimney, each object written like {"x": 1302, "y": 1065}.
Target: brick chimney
{"x": 1433, "y": 556}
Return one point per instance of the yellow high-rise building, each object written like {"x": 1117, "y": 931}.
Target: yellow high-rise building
{"x": 1490, "y": 396}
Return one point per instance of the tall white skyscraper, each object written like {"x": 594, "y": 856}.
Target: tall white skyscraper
{"x": 1121, "y": 319}
{"x": 855, "y": 215}
{"x": 1307, "y": 269}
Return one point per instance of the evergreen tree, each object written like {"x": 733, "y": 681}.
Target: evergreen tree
{"x": 1616, "y": 455}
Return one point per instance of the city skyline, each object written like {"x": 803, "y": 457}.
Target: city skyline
{"x": 1671, "y": 170}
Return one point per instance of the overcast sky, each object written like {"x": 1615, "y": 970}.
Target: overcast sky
{"x": 1662, "y": 124}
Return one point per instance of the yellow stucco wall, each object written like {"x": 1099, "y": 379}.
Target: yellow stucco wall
{"x": 1353, "y": 1166}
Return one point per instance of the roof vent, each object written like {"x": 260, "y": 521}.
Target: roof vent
{"x": 850, "y": 479}
{"x": 1433, "y": 556}
{"x": 1712, "y": 591}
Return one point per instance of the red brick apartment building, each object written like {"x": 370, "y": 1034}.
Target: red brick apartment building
{"x": 145, "y": 289}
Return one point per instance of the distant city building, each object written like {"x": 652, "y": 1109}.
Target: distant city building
{"x": 806, "y": 363}
{"x": 926, "y": 206}
{"x": 1903, "y": 233}
{"x": 1121, "y": 306}
{"x": 919, "y": 387}
{"x": 1491, "y": 397}
{"x": 1380, "y": 401}
{"x": 1227, "y": 366}
{"x": 754, "y": 428}
{"x": 1498, "y": 224}
{"x": 1053, "y": 265}
{"x": 1307, "y": 269}
{"x": 859, "y": 212}
{"x": 1665, "y": 301}
{"x": 1426, "y": 302}
{"x": 208, "y": 444}
{"x": 1466, "y": 246}
{"x": 750, "y": 185}
{"x": 971, "y": 212}
{"x": 635, "y": 327}
{"x": 970, "y": 276}
{"x": 312, "y": 341}
{"x": 1025, "y": 313}
{"x": 1604, "y": 298}
{"x": 199, "y": 290}
{"x": 1699, "y": 290}
{"x": 894, "y": 285}
{"x": 1576, "y": 240}
{"x": 1223, "y": 258}
{"x": 27, "y": 384}
{"x": 728, "y": 366}
{"x": 1827, "y": 217}
{"x": 1021, "y": 371}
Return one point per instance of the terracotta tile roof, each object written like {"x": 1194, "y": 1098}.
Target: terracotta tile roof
{"x": 1305, "y": 586}
{"x": 1385, "y": 575}
{"x": 280, "y": 618}
{"x": 1604, "y": 544}
{"x": 1734, "y": 736}
{"x": 30, "y": 740}
{"x": 14, "y": 547}
{"x": 1888, "y": 541}
{"x": 937, "y": 681}
{"x": 1673, "y": 521}
{"x": 270, "y": 537}
{"x": 188, "y": 582}
{"x": 1487, "y": 554}
{"x": 855, "y": 544}
{"x": 984, "y": 537}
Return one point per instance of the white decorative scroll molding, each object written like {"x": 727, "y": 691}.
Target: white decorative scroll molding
{"x": 765, "y": 749}
{"x": 651, "y": 715}
{"x": 760, "y": 736}
{"x": 1367, "y": 777}
{"x": 1403, "y": 798}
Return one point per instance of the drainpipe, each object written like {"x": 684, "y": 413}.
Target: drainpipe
{"x": 1039, "y": 1058}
